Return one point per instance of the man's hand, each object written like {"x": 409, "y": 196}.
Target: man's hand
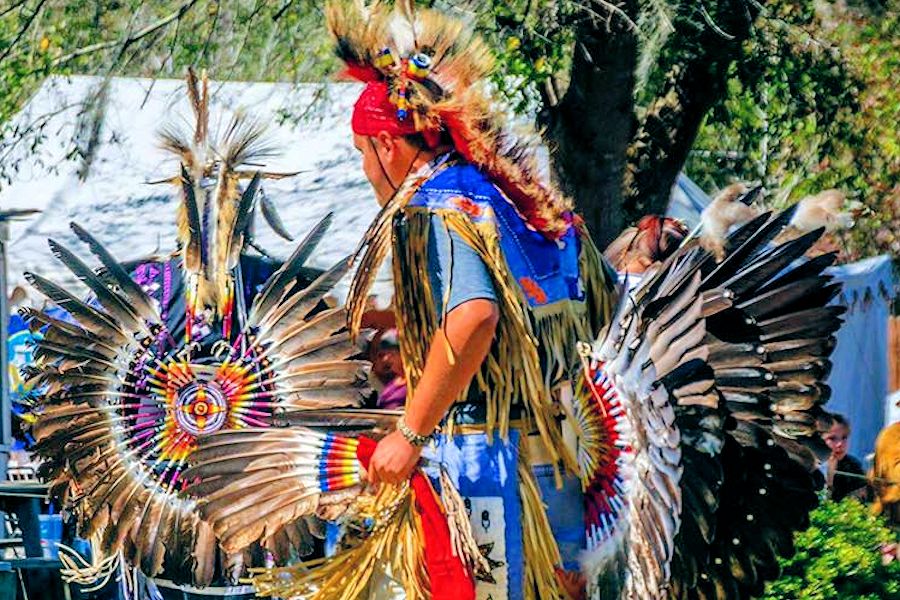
{"x": 393, "y": 460}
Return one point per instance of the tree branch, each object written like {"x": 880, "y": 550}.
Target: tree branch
{"x": 12, "y": 7}
{"x": 692, "y": 86}
{"x": 146, "y": 31}
{"x": 22, "y": 30}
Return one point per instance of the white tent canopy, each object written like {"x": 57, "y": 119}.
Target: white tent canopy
{"x": 136, "y": 219}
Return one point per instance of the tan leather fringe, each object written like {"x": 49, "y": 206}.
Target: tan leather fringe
{"x": 533, "y": 349}
{"x": 462, "y": 540}
{"x": 394, "y": 545}
{"x": 541, "y": 553}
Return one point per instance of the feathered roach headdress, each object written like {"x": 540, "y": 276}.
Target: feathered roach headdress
{"x": 215, "y": 214}
{"x": 425, "y": 72}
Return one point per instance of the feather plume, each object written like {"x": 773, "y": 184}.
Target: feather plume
{"x": 270, "y": 213}
{"x": 280, "y": 281}
{"x": 114, "y": 304}
{"x": 132, "y": 291}
{"x": 298, "y": 305}
{"x": 243, "y": 215}
{"x": 189, "y": 225}
{"x": 95, "y": 321}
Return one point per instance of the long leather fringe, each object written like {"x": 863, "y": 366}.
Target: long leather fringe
{"x": 541, "y": 554}
{"x": 393, "y": 548}
{"x": 533, "y": 349}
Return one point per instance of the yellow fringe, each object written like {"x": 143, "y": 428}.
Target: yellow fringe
{"x": 599, "y": 284}
{"x": 393, "y": 545}
{"x": 541, "y": 553}
{"x": 533, "y": 350}
{"x": 462, "y": 540}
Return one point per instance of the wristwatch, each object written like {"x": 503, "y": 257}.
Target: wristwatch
{"x": 411, "y": 436}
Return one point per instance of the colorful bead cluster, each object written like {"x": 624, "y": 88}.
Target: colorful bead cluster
{"x": 604, "y": 497}
{"x": 416, "y": 67}
{"x": 174, "y": 401}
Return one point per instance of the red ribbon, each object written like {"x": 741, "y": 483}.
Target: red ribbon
{"x": 448, "y": 576}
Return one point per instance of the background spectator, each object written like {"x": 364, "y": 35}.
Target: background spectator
{"x": 653, "y": 240}
{"x": 840, "y": 466}
{"x": 387, "y": 366}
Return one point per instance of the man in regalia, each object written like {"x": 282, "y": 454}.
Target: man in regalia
{"x": 495, "y": 281}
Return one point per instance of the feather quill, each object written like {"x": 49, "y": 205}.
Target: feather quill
{"x": 95, "y": 321}
{"x": 280, "y": 281}
{"x": 115, "y": 305}
{"x": 270, "y": 213}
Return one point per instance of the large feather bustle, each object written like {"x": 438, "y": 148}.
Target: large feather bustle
{"x": 85, "y": 436}
{"x": 452, "y": 98}
{"x": 755, "y": 359}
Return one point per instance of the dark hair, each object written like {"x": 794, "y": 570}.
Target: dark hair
{"x": 838, "y": 419}
{"x": 418, "y": 140}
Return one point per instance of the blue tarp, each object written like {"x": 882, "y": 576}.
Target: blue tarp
{"x": 859, "y": 379}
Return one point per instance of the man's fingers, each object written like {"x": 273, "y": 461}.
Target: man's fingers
{"x": 374, "y": 470}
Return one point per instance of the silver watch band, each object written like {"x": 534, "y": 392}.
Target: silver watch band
{"x": 411, "y": 436}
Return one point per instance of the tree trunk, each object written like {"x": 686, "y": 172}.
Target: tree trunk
{"x": 661, "y": 145}
{"x": 591, "y": 127}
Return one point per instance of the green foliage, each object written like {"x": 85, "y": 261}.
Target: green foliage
{"x": 533, "y": 42}
{"x": 838, "y": 557}
{"x": 255, "y": 40}
{"x": 251, "y": 40}
{"x": 814, "y": 105}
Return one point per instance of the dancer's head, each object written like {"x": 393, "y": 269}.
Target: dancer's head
{"x": 653, "y": 240}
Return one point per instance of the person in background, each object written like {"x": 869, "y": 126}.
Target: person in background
{"x": 638, "y": 248}
{"x": 388, "y": 367}
{"x": 840, "y": 466}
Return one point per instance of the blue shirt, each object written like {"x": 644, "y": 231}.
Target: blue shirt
{"x": 454, "y": 266}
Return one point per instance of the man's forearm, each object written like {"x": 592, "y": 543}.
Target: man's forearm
{"x": 469, "y": 329}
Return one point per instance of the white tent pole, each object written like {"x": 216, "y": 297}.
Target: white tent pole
{"x": 5, "y": 396}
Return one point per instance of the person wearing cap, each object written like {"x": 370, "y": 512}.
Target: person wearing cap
{"x": 496, "y": 280}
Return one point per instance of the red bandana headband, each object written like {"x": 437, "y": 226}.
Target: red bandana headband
{"x": 374, "y": 112}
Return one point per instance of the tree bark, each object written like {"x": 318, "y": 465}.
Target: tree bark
{"x": 590, "y": 128}
{"x": 705, "y": 46}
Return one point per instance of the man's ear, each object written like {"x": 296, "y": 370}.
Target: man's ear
{"x": 386, "y": 144}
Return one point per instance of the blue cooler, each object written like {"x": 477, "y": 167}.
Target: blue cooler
{"x": 51, "y": 534}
